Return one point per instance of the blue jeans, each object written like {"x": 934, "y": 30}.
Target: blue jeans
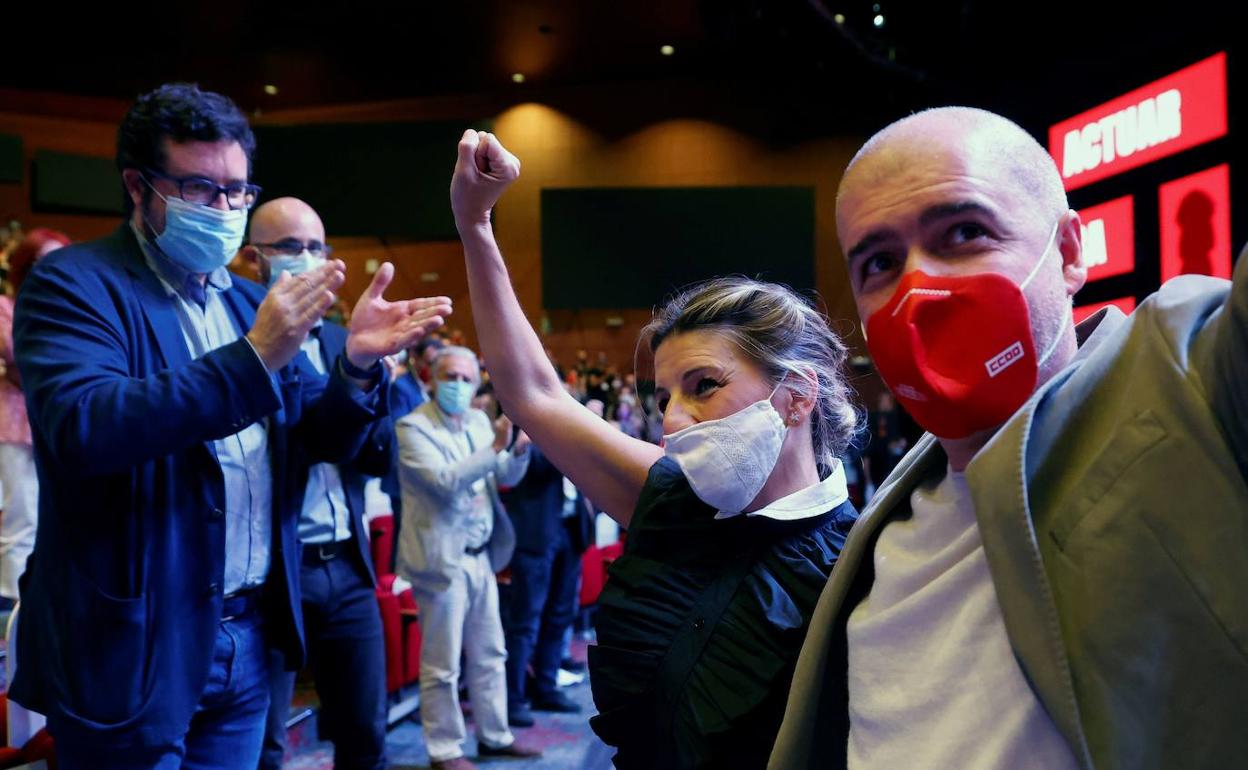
{"x": 346, "y": 652}
{"x": 228, "y": 726}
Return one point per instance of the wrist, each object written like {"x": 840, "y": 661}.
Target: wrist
{"x": 474, "y": 227}
{"x": 359, "y": 361}
{"x": 356, "y": 372}
{"x": 264, "y": 360}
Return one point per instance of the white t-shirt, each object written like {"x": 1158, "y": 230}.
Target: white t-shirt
{"x": 933, "y": 682}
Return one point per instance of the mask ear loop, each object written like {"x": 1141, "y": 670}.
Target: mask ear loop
{"x": 151, "y": 233}
{"x": 792, "y": 414}
{"x": 1034, "y": 270}
{"x": 152, "y": 187}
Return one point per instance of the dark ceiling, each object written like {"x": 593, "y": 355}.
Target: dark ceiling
{"x": 1058, "y": 57}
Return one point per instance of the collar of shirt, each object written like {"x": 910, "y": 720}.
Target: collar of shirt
{"x": 814, "y": 500}
{"x": 450, "y": 422}
{"x": 171, "y": 275}
{"x": 311, "y": 347}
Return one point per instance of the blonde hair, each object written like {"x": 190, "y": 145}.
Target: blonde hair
{"x": 784, "y": 335}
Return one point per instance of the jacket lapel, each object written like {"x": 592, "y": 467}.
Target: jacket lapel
{"x": 158, "y": 307}
{"x": 160, "y": 311}
{"x": 998, "y": 477}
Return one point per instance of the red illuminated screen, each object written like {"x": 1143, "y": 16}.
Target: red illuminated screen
{"x": 1195, "y": 213}
{"x": 1109, "y": 238}
{"x": 1164, "y": 117}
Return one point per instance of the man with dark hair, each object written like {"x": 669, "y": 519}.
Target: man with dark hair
{"x": 181, "y": 112}
{"x": 164, "y": 411}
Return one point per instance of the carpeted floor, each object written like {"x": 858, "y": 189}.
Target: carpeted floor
{"x": 565, "y": 739}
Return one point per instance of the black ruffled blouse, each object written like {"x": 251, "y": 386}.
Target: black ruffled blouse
{"x": 700, "y": 625}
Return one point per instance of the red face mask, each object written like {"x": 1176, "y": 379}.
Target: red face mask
{"x": 957, "y": 351}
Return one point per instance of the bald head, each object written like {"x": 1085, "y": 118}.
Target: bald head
{"x": 954, "y": 192}
{"x": 991, "y": 144}
{"x": 994, "y": 145}
{"x": 282, "y": 227}
{"x": 279, "y": 218}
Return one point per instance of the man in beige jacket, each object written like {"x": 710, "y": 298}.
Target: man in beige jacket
{"x": 455, "y": 537}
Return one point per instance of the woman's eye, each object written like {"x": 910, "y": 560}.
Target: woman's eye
{"x": 705, "y": 385}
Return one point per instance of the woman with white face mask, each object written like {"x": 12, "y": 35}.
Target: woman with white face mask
{"x": 734, "y": 525}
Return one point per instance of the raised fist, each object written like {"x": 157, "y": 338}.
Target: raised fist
{"x": 483, "y": 170}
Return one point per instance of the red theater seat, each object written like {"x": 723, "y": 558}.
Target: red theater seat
{"x": 38, "y": 747}
{"x": 399, "y": 613}
{"x": 392, "y": 632}
{"x": 381, "y": 539}
{"x": 591, "y": 575}
{"x": 594, "y": 565}
{"x": 401, "y": 631}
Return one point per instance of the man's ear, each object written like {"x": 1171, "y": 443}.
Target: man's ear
{"x": 1070, "y": 246}
{"x": 132, "y": 179}
{"x": 250, "y": 257}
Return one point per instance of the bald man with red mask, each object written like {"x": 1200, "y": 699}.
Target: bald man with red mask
{"x": 1053, "y": 576}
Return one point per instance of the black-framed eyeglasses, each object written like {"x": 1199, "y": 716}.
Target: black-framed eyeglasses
{"x": 197, "y": 189}
{"x": 292, "y": 247}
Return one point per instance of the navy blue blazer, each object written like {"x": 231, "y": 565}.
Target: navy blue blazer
{"x": 122, "y": 596}
{"x": 535, "y": 505}
{"x": 375, "y": 458}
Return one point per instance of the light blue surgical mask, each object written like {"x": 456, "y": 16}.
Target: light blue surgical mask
{"x": 299, "y": 263}
{"x": 454, "y": 396}
{"x": 199, "y": 238}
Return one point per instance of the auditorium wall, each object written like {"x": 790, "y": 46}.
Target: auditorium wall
{"x": 601, "y": 137}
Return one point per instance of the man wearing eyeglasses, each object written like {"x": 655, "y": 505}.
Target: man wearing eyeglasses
{"x": 165, "y": 412}
{"x": 341, "y": 622}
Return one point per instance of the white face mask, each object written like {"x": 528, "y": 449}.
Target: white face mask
{"x": 727, "y": 461}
